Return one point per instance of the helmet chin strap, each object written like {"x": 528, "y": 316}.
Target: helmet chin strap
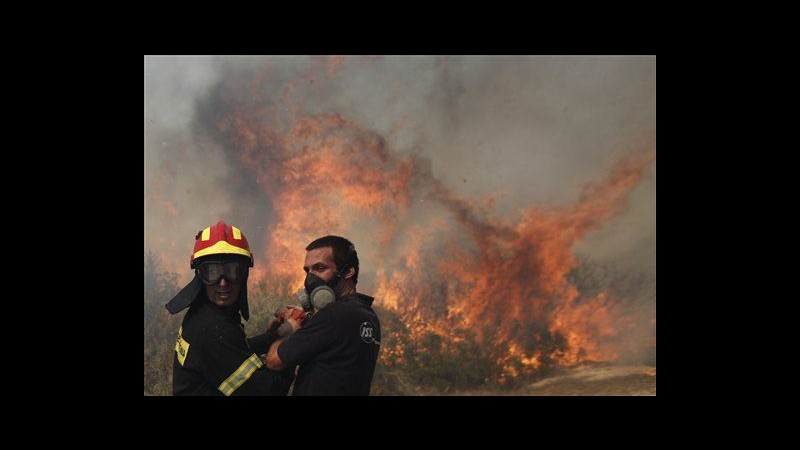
{"x": 244, "y": 308}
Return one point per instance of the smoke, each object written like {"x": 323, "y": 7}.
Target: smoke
{"x": 185, "y": 176}
{"x": 469, "y": 177}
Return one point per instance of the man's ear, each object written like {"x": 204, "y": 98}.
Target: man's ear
{"x": 350, "y": 272}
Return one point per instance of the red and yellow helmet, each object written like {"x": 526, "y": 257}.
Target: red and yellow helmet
{"x": 220, "y": 239}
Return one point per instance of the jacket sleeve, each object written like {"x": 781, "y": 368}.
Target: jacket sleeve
{"x": 233, "y": 367}
{"x": 315, "y": 336}
{"x": 260, "y": 344}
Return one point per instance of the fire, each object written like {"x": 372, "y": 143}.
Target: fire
{"x": 584, "y": 326}
{"x": 321, "y": 176}
{"x": 445, "y": 263}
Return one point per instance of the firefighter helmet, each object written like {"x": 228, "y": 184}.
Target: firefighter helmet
{"x": 220, "y": 239}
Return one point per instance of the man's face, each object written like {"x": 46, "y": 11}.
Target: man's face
{"x": 224, "y": 293}
{"x": 319, "y": 261}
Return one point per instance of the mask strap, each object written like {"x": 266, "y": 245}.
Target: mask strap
{"x": 340, "y": 276}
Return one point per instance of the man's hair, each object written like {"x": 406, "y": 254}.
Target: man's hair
{"x": 344, "y": 252}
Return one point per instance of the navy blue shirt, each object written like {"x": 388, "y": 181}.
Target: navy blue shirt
{"x": 336, "y": 349}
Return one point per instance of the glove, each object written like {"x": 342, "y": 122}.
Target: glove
{"x": 285, "y": 329}
{"x": 274, "y": 325}
{"x": 273, "y": 330}
{"x": 280, "y": 313}
{"x": 293, "y": 320}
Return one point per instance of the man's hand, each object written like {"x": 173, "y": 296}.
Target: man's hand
{"x": 295, "y": 317}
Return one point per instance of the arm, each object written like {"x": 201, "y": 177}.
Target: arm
{"x": 261, "y": 343}
{"x": 273, "y": 360}
{"x": 232, "y": 367}
{"x": 306, "y": 343}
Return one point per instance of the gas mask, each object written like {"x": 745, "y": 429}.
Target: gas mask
{"x": 317, "y": 293}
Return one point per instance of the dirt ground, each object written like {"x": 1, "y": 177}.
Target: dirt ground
{"x": 624, "y": 380}
{"x": 610, "y": 380}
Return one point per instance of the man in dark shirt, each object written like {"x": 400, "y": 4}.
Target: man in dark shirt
{"x": 212, "y": 354}
{"x": 338, "y": 344}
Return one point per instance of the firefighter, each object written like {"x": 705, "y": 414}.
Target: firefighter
{"x": 212, "y": 354}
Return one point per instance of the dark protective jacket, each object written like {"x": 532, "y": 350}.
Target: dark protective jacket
{"x": 213, "y": 356}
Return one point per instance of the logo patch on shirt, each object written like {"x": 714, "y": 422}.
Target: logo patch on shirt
{"x": 181, "y": 347}
{"x": 367, "y": 333}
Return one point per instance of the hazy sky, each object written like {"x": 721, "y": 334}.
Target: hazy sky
{"x": 528, "y": 130}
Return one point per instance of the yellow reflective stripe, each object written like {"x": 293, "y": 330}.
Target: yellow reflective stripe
{"x": 181, "y": 347}
{"x": 221, "y": 247}
{"x": 242, "y": 374}
{"x": 206, "y": 234}
{"x": 236, "y": 233}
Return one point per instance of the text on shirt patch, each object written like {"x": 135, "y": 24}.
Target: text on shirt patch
{"x": 366, "y": 332}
